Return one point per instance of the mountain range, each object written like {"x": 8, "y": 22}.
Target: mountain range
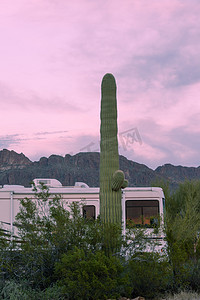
{"x": 17, "y": 169}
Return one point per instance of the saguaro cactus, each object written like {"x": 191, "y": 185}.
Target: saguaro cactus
{"x": 111, "y": 178}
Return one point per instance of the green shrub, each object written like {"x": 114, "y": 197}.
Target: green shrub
{"x": 15, "y": 291}
{"x": 66, "y": 249}
{"x": 182, "y": 227}
{"x": 48, "y": 230}
{"x": 150, "y": 275}
{"x": 193, "y": 270}
{"x": 12, "y": 290}
{"x": 90, "y": 275}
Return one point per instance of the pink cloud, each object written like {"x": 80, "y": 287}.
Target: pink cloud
{"x": 54, "y": 54}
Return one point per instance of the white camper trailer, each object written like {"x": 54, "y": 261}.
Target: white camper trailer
{"x": 141, "y": 207}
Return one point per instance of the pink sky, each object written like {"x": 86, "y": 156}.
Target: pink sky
{"x": 54, "y": 54}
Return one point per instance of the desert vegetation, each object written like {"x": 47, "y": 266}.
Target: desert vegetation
{"x": 61, "y": 255}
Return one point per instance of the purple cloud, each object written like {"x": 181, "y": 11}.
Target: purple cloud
{"x": 54, "y": 54}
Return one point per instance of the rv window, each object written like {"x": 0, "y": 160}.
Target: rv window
{"x": 142, "y": 213}
{"x": 89, "y": 211}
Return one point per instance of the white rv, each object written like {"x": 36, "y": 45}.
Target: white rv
{"x": 141, "y": 207}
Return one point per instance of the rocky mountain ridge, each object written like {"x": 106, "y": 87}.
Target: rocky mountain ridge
{"x": 18, "y": 169}
{"x": 12, "y": 160}
{"x": 178, "y": 173}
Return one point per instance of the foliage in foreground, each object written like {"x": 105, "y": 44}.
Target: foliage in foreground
{"x": 12, "y": 290}
{"x": 149, "y": 275}
{"x": 90, "y": 275}
{"x": 62, "y": 254}
{"x": 183, "y": 234}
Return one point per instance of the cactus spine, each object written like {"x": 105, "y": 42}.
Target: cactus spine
{"x": 111, "y": 178}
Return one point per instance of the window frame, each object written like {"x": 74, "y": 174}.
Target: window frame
{"x": 85, "y": 214}
{"x": 142, "y": 204}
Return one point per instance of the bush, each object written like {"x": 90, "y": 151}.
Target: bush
{"x": 48, "y": 230}
{"x": 150, "y": 275}
{"x": 182, "y": 222}
{"x": 13, "y": 290}
{"x": 90, "y": 275}
{"x": 65, "y": 256}
{"x": 193, "y": 270}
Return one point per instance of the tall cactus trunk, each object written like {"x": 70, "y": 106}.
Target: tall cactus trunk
{"x": 111, "y": 178}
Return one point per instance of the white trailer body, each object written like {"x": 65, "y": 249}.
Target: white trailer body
{"x": 140, "y": 206}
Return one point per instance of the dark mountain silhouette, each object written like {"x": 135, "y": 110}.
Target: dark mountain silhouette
{"x": 178, "y": 174}
{"x": 18, "y": 169}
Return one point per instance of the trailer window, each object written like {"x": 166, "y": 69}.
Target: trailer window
{"x": 89, "y": 211}
{"x": 142, "y": 213}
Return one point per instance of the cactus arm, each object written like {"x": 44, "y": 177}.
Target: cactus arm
{"x": 125, "y": 184}
{"x": 118, "y": 180}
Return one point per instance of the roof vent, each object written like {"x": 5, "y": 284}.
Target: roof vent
{"x": 47, "y": 181}
{"x": 81, "y": 185}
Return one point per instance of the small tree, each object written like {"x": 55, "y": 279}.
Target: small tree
{"x": 47, "y": 230}
{"x": 183, "y": 227}
{"x": 41, "y": 223}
